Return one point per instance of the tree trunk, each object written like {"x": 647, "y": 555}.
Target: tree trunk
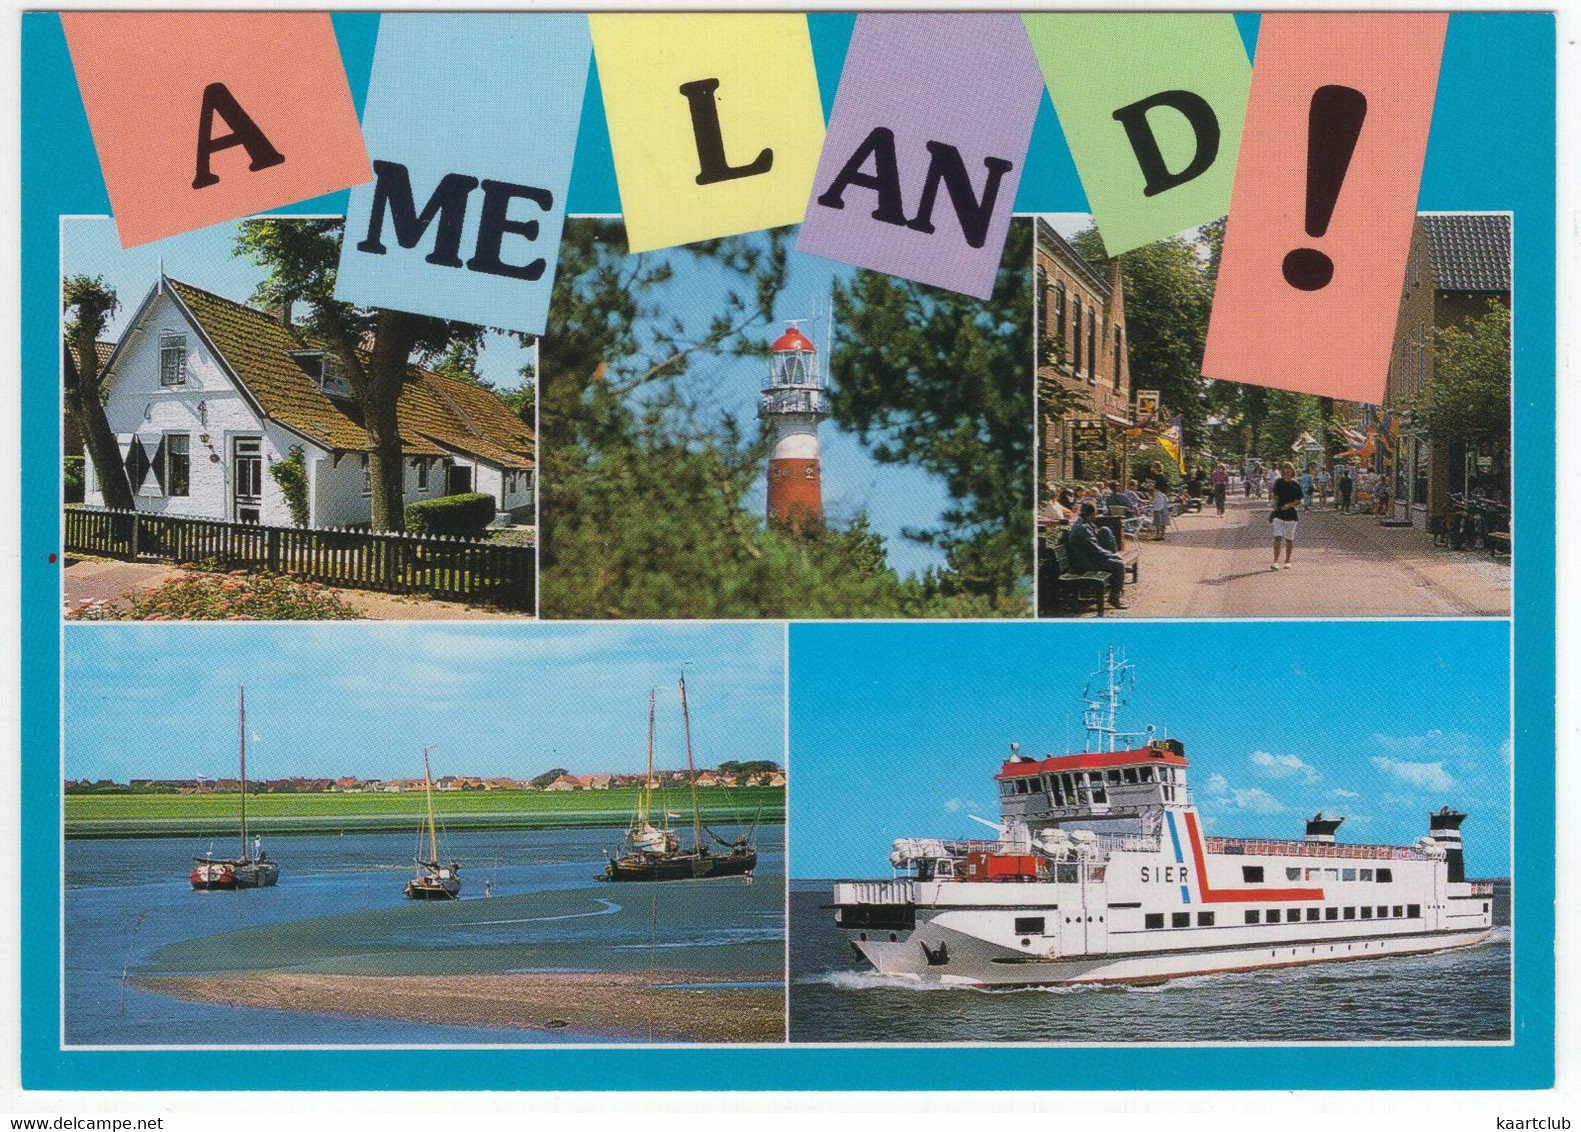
{"x": 386, "y": 373}
{"x": 84, "y": 403}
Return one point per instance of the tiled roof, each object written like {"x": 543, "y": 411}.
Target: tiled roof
{"x": 103, "y": 349}
{"x": 436, "y": 415}
{"x": 1470, "y": 251}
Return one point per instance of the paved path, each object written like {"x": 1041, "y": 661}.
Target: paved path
{"x": 1344, "y": 566}
{"x": 97, "y": 580}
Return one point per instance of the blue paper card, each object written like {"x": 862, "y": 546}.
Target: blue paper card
{"x": 471, "y": 126}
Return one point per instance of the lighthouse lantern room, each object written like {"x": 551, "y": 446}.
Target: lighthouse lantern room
{"x": 793, "y": 406}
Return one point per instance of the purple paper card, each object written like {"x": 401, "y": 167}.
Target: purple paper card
{"x": 929, "y": 132}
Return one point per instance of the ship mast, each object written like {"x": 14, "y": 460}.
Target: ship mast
{"x": 643, "y": 817}
{"x": 691, "y": 770}
{"x": 1102, "y": 714}
{"x": 241, "y": 693}
{"x": 428, "y": 783}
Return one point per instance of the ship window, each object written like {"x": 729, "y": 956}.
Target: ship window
{"x": 1273, "y": 915}
{"x": 1007, "y": 788}
{"x": 1292, "y": 915}
{"x": 1180, "y": 920}
{"x": 1383, "y": 912}
{"x": 1204, "y": 919}
{"x": 1114, "y": 778}
{"x": 1398, "y": 911}
{"x": 1385, "y": 876}
{"x": 1292, "y": 874}
{"x": 1366, "y": 874}
{"x": 1070, "y": 785}
{"x": 1153, "y": 920}
{"x": 1147, "y": 774}
{"x": 1314, "y": 913}
{"x": 1350, "y": 913}
{"x": 1330, "y": 874}
{"x": 1099, "y": 794}
{"x": 1252, "y": 874}
{"x": 1366, "y": 912}
{"x": 1347, "y": 874}
{"x": 1413, "y": 911}
{"x": 1314, "y": 874}
{"x": 1253, "y": 916}
{"x": 1130, "y": 775}
{"x": 1029, "y": 925}
{"x": 1331, "y": 913}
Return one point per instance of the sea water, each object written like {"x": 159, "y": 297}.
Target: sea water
{"x": 339, "y": 909}
{"x": 1460, "y": 995}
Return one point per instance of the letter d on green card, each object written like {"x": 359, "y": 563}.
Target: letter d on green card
{"x": 1151, "y": 106}
{"x": 471, "y": 125}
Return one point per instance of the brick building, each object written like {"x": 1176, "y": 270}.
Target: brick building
{"x": 1081, "y": 347}
{"x": 1458, "y": 266}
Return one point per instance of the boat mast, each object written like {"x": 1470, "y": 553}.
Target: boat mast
{"x": 241, "y": 693}
{"x": 691, "y": 770}
{"x": 428, "y": 783}
{"x": 647, "y": 784}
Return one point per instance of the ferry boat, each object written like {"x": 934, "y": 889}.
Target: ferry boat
{"x": 1102, "y": 873}
{"x": 250, "y": 868}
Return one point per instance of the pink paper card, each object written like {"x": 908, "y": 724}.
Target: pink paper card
{"x": 1323, "y": 203}
{"x": 203, "y": 117}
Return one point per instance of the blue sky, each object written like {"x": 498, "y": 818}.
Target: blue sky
{"x": 338, "y": 699}
{"x": 898, "y": 729}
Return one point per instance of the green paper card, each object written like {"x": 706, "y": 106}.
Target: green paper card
{"x": 1151, "y": 106}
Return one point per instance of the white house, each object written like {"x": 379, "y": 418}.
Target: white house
{"x": 205, "y": 393}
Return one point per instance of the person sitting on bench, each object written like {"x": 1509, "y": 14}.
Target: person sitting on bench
{"x": 1088, "y": 555}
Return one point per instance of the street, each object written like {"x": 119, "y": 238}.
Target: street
{"x": 1343, "y": 566}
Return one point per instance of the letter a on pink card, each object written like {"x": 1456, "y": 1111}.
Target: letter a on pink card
{"x": 1324, "y": 201}
{"x": 203, "y": 117}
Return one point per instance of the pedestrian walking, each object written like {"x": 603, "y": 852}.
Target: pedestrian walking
{"x": 1270, "y": 477}
{"x": 1221, "y": 485}
{"x": 1306, "y": 488}
{"x": 1286, "y": 515}
{"x": 1346, "y": 485}
{"x": 1320, "y": 482}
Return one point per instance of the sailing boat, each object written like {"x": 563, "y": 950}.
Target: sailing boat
{"x": 433, "y": 880}
{"x": 654, "y": 852}
{"x": 252, "y": 870}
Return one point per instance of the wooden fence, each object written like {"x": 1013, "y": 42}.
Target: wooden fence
{"x": 453, "y": 569}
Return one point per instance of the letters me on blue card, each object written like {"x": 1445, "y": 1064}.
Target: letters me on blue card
{"x": 471, "y": 125}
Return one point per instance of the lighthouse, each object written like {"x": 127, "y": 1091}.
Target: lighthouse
{"x": 793, "y": 407}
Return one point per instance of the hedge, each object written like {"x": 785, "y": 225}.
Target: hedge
{"x": 459, "y": 515}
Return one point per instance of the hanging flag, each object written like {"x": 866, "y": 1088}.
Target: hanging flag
{"x": 1151, "y": 106}
{"x": 926, "y": 142}
{"x": 203, "y": 117}
{"x": 471, "y": 123}
{"x": 1324, "y": 201}
{"x": 671, "y": 814}
{"x": 1170, "y": 442}
{"x": 714, "y": 121}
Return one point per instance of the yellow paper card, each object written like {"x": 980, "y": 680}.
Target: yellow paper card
{"x": 714, "y": 121}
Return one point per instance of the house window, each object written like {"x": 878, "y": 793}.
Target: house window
{"x": 1153, "y": 920}
{"x": 1059, "y": 318}
{"x": 1204, "y": 919}
{"x": 172, "y": 358}
{"x": 1092, "y": 345}
{"x": 1180, "y": 920}
{"x": 422, "y": 474}
{"x": 137, "y": 465}
{"x": 178, "y": 463}
{"x": 1118, "y": 353}
{"x": 1252, "y": 874}
{"x": 367, "y": 475}
{"x": 1076, "y": 308}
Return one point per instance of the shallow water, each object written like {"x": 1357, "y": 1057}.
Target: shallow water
{"x": 1459, "y": 995}
{"x": 339, "y": 909}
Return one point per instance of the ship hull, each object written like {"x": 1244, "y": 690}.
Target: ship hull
{"x": 432, "y": 888}
{"x": 938, "y": 954}
{"x": 684, "y": 866}
{"x": 228, "y": 876}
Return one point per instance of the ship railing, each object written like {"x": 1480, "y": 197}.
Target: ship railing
{"x": 1258, "y": 846}
{"x": 1107, "y": 843}
{"x": 1482, "y": 888}
{"x": 872, "y": 891}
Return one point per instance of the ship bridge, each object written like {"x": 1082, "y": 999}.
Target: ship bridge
{"x": 1094, "y": 784}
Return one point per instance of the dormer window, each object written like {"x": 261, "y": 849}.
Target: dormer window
{"x": 172, "y": 358}
{"x": 325, "y": 370}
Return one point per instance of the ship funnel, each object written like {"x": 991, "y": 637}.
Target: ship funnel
{"x": 1445, "y": 829}
{"x": 1321, "y": 829}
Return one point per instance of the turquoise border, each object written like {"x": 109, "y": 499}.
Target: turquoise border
{"x": 1492, "y": 147}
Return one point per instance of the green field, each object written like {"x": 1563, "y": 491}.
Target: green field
{"x": 208, "y": 815}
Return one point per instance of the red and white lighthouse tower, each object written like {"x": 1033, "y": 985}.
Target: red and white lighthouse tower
{"x": 793, "y": 406}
